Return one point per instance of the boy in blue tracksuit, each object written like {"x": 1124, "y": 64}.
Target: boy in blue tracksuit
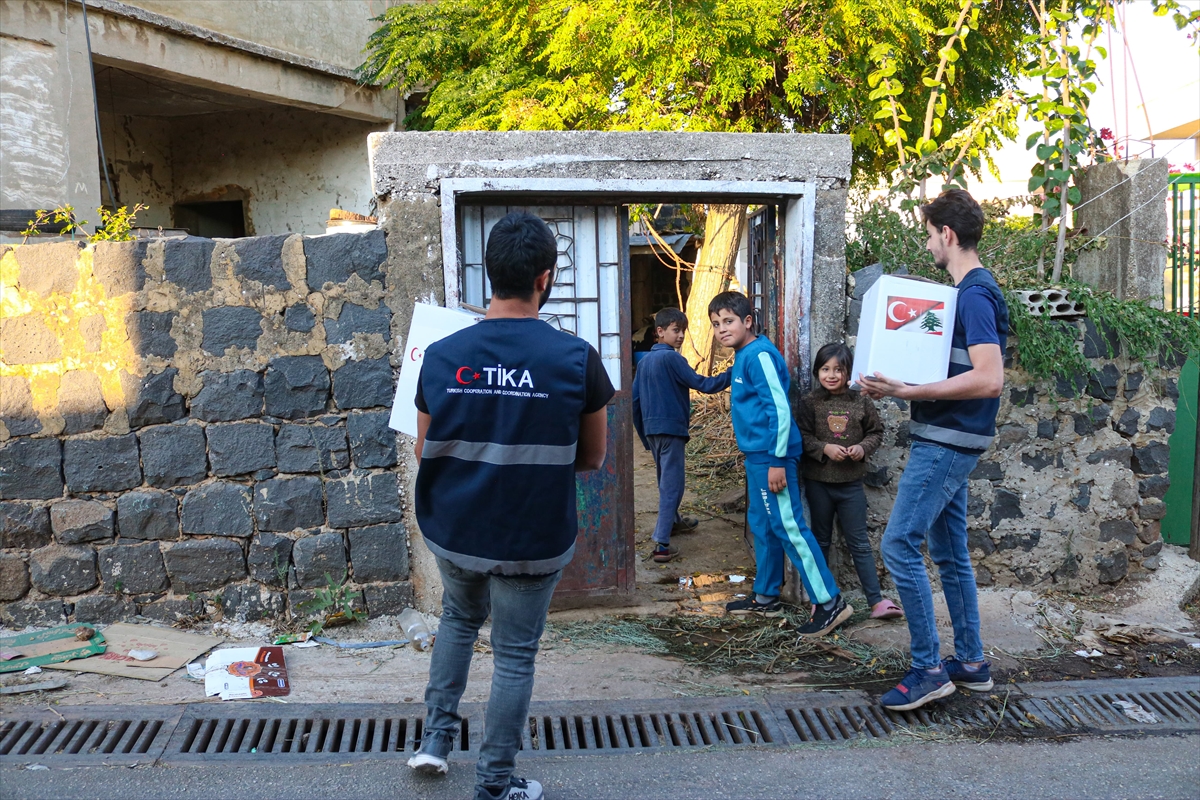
{"x": 770, "y": 440}
{"x": 661, "y": 410}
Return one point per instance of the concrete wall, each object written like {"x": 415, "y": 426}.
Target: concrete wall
{"x": 194, "y": 428}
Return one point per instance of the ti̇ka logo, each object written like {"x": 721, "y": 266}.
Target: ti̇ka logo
{"x": 916, "y": 315}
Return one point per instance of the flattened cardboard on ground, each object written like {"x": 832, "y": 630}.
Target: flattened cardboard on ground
{"x": 48, "y": 648}
{"x": 174, "y": 648}
{"x": 241, "y": 673}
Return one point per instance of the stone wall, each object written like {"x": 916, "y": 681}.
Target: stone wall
{"x": 1070, "y": 495}
{"x": 193, "y": 428}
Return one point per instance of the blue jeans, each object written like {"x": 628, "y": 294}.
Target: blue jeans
{"x": 668, "y": 452}
{"x": 518, "y": 605}
{"x": 777, "y": 522}
{"x": 931, "y": 504}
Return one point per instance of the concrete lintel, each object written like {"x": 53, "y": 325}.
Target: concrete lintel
{"x": 178, "y": 52}
{"x": 418, "y": 161}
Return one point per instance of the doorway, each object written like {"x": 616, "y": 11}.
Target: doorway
{"x": 221, "y": 219}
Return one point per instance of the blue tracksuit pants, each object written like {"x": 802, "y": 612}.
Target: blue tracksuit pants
{"x": 777, "y": 522}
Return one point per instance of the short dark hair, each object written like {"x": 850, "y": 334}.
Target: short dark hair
{"x": 519, "y": 248}
{"x": 664, "y": 319}
{"x": 834, "y": 350}
{"x": 736, "y": 302}
{"x": 958, "y": 211}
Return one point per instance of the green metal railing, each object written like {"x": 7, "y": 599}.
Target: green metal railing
{"x": 1182, "y": 279}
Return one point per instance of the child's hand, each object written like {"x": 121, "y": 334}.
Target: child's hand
{"x": 835, "y": 452}
{"x": 776, "y": 479}
{"x": 856, "y": 452}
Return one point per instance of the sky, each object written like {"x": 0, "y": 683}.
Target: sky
{"x": 1144, "y": 49}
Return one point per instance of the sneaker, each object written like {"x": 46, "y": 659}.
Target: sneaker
{"x": 662, "y": 554}
{"x": 685, "y": 525}
{"x": 822, "y": 622}
{"x": 517, "y": 789}
{"x": 977, "y": 680}
{"x": 918, "y": 688}
{"x": 744, "y": 608}
{"x": 430, "y": 758}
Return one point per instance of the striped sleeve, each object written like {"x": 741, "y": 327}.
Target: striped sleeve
{"x": 778, "y": 411}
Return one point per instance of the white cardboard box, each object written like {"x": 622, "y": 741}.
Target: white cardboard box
{"x": 429, "y": 324}
{"x": 905, "y": 330}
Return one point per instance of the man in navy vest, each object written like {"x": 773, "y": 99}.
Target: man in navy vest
{"x": 508, "y": 410}
{"x": 953, "y": 423}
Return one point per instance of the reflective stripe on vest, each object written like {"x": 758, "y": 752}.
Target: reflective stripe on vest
{"x": 503, "y": 454}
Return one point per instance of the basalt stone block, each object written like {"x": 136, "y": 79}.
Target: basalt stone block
{"x": 388, "y": 599}
{"x": 333, "y": 259}
{"x": 372, "y": 442}
{"x": 1124, "y": 493}
{"x": 357, "y": 319}
{"x": 49, "y": 268}
{"x": 1068, "y": 569}
{"x": 1102, "y": 384}
{"x": 260, "y": 258}
{"x": 1083, "y": 498}
{"x": 104, "y": 610}
{"x": 1152, "y": 508}
{"x": 1023, "y": 397}
{"x": 188, "y": 263}
{"x": 1152, "y": 549}
{"x": 1133, "y": 382}
{"x": 173, "y": 455}
{"x": 1161, "y": 419}
{"x": 1153, "y": 459}
{"x": 270, "y": 559}
{"x": 1025, "y": 541}
{"x": 14, "y": 577}
{"x": 1154, "y": 486}
{"x": 132, "y": 569}
{"x": 1011, "y": 434}
{"x": 1071, "y": 385}
{"x": 218, "y": 509}
{"x": 877, "y": 477}
{"x": 1047, "y": 428}
{"x": 102, "y": 465}
{"x": 319, "y": 559}
{"x": 174, "y": 610}
{"x": 311, "y": 448}
{"x": 155, "y": 400}
{"x": 975, "y": 505}
{"x": 249, "y": 602}
{"x": 1122, "y": 530}
{"x": 16, "y": 406}
{"x": 379, "y": 553}
{"x": 1083, "y": 425}
{"x": 119, "y": 267}
{"x": 362, "y": 500}
{"x": 229, "y": 396}
{"x": 1127, "y": 424}
{"x": 231, "y": 326}
{"x": 148, "y": 515}
{"x": 42, "y": 613}
{"x": 979, "y": 540}
{"x": 81, "y": 402}
{"x": 363, "y": 384}
{"x": 150, "y": 333}
{"x": 303, "y": 603}
{"x": 239, "y": 448}
{"x": 1171, "y": 388}
{"x": 987, "y": 471}
{"x": 63, "y": 570}
{"x": 296, "y": 387}
{"x": 31, "y": 469}
{"x": 204, "y": 564}
{"x": 1039, "y": 460}
{"x": 1112, "y": 567}
{"x": 79, "y": 521}
{"x": 1005, "y": 505}
{"x": 902, "y": 435}
{"x": 285, "y": 504}
{"x": 26, "y": 339}
{"x": 1116, "y": 455}
{"x": 24, "y": 527}
{"x": 299, "y": 318}
{"x": 1100, "y": 342}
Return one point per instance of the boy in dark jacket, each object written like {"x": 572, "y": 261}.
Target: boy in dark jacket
{"x": 661, "y": 411}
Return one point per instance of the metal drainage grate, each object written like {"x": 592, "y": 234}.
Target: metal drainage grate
{"x": 612, "y": 729}
{"x": 86, "y": 737}
{"x": 1089, "y": 705}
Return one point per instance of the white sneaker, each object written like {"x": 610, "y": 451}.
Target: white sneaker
{"x": 429, "y": 764}
{"x": 520, "y": 789}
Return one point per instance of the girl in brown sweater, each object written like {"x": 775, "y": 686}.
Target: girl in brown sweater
{"x": 841, "y": 429}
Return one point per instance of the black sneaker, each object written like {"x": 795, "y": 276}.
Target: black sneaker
{"x": 685, "y": 525}
{"x": 977, "y": 680}
{"x": 823, "y": 622}
{"x": 749, "y": 606}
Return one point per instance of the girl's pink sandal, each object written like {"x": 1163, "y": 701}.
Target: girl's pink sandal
{"x": 886, "y": 609}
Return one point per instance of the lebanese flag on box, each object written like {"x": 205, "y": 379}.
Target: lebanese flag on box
{"x": 902, "y": 332}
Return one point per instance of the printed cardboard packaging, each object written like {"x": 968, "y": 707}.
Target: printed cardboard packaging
{"x": 905, "y": 330}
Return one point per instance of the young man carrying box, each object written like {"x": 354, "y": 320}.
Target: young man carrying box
{"x": 953, "y": 423}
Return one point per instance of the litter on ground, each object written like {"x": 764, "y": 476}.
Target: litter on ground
{"x": 1135, "y": 712}
{"x": 51, "y": 646}
{"x": 173, "y": 648}
{"x": 240, "y": 673}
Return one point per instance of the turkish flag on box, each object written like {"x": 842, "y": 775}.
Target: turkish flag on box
{"x": 905, "y": 330}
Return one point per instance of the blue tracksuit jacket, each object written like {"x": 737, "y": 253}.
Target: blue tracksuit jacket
{"x": 762, "y": 415}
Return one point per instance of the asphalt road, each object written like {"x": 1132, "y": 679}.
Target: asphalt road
{"x": 1101, "y": 767}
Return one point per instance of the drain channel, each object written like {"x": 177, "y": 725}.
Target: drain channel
{"x": 88, "y": 735}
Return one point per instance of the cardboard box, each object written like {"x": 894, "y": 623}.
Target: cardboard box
{"x": 429, "y": 324}
{"x": 905, "y": 330}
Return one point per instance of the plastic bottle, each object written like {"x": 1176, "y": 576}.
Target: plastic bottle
{"x": 415, "y": 629}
